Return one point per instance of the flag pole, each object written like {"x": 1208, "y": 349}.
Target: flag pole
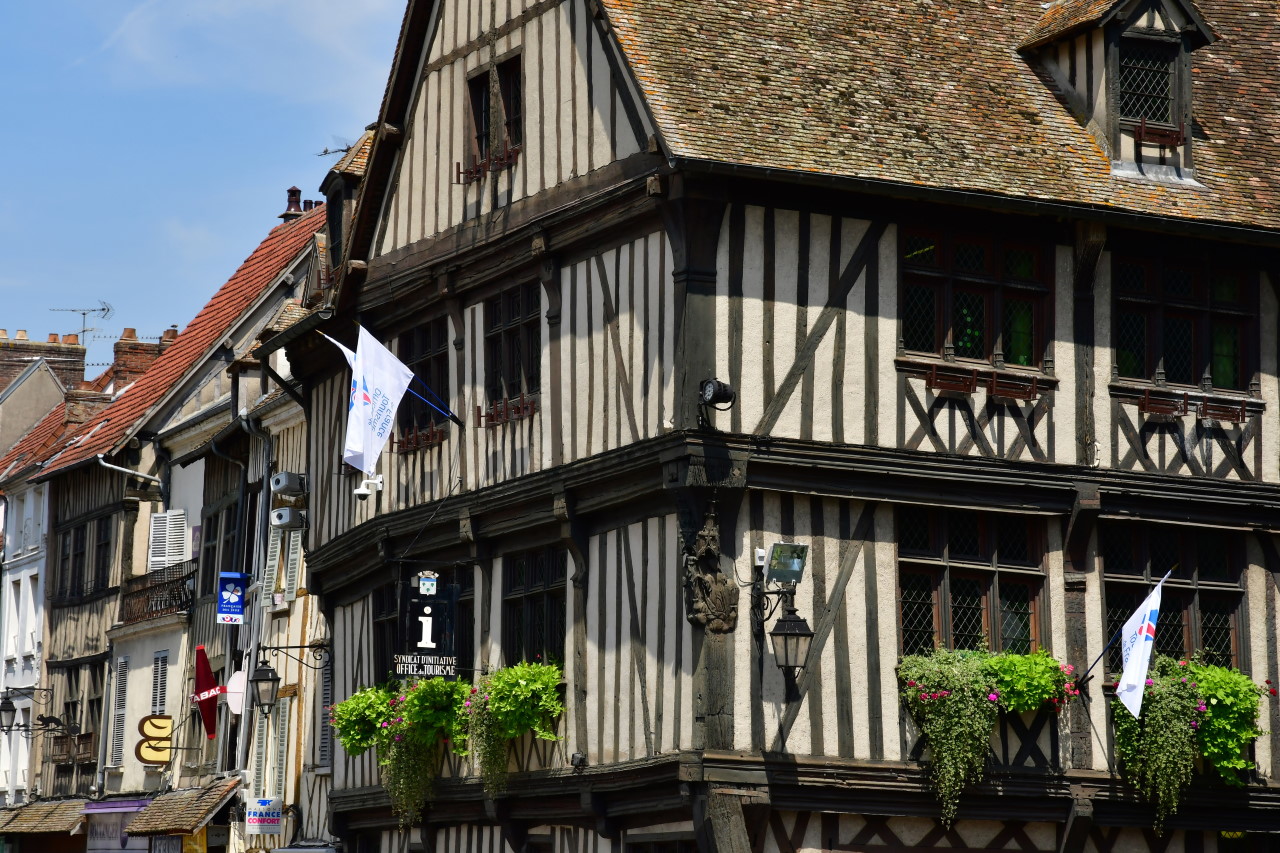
{"x": 1116, "y": 635}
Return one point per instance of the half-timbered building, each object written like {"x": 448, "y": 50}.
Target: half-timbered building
{"x": 994, "y": 288}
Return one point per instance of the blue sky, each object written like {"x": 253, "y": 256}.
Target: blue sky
{"x": 148, "y": 145}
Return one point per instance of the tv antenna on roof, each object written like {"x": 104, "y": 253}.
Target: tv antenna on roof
{"x": 104, "y": 310}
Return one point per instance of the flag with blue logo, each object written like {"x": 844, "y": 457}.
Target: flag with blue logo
{"x": 378, "y": 383}
{"x": 1137, "y": 639}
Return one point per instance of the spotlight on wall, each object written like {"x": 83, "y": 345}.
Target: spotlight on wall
{"x": 713, "y": 392}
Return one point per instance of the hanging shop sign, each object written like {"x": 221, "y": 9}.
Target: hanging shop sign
{"x": 156, "y": 744}
{"x": 207, "y": 692}
{"x": 429, "y": 620}
{"x": 231, "y": 587}
{"x": 263, "y": 816}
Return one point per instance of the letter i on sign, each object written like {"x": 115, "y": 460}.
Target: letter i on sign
{"x": 426, "y": 642}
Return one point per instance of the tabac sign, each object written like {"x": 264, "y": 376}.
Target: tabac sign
{"x": 428, "y": 619}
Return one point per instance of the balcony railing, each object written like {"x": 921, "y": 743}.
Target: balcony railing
{"x": 159, "y": 593}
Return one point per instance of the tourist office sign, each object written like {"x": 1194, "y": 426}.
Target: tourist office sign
{"x": 428, "y": 627}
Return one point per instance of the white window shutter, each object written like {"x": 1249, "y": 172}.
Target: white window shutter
{"x": 119, "y": 708}
{"x": 159, "y": 681}
{"x": 293, "y": 566}
{"x": 260, "y": 753}
{"x": 282, "y": 745}
{"x": 272, "y": 568}
{"x": 170, "y": 541}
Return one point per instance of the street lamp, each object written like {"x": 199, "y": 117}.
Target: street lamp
{"x": 265, "y": 682}
{"x": 790, "y": 639}
{"x": 8, "y": 713}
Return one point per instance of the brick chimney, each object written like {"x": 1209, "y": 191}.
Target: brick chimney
{"x": 64, "y": 355}
{"x": 84, "y": 403}
{"x": 133, "y": 357}
{"x": 294, "y": 208}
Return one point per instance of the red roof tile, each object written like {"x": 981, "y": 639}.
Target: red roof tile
{"x": 1065, "y": 16}
{"x": 102, "y": 434}
{"x": 182, "y": 812}
{"x": 32, "y": 446}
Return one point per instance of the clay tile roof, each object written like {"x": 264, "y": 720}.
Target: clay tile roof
{"x": 182, "y": 812}
{"x": 32, "y": 446}
{"x": 914, "y": 93}
{"x": 357, "y": 159}
{"x": 102, "y": 433}
{"x": 1066, "y": 16}
{"x": 43, "y": 816}
{"x": 290, "y": 312}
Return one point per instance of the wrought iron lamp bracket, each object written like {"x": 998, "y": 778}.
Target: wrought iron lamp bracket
{"x": 320, "y": 651}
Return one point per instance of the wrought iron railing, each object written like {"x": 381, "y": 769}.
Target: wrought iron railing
{"x": 158, "y": 593}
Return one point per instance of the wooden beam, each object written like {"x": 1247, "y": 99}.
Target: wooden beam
{"x": 834, "y": 609}
{"x": 837, "y": 300}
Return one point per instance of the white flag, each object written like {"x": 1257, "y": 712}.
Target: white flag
{"x": 378, "y": 382}
{"x": 1137, "y": 639}
{"x": 347, "y": 354}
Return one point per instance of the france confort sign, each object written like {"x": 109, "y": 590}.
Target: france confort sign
{"x": 263, "y": 816}
{"x": 429, "y": 616}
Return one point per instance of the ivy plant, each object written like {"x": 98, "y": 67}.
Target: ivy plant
{"x": 506, "y": 705}
{"x": 1189, "y": 708}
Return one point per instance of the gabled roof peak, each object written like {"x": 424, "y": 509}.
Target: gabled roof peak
{"x": 1063, "y": 18}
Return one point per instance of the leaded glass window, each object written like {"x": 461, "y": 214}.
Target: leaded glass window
{"x": 1147, "y": 80}
{"x": 1182, "y": 322}
{"x": 1199, "y": 601}
{"x": 973, "y": 297}
{"x": 533, "y": 605}
{"x": 968, "y": 579}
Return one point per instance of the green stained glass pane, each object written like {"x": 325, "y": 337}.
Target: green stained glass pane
{"x": 1020, "y": 264}
{"x": 1019, "y": 332}
{"x": 1225, "y": 366}
{"x": 1131, "y": 344}
{"x": 969, "y": 325}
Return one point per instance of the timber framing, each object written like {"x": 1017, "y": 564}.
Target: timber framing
{"x": 636, "y": 793}
{"x": 627, "y": 484}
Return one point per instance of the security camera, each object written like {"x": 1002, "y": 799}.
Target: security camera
{"x": 289, "y": 485}
{"x": 368, "y": 486}
{"x": 288, "y": 519}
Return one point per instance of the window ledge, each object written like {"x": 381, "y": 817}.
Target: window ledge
{"x": 1004, "y": 383}
{"x": 1162, "y": 403}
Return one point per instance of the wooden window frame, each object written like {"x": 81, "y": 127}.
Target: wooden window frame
{"x": 384, "y": 611}
{"x": 1155, "y": 305}
{"x": 425, "y": 350}
{"x": 480, "y": 112}
{"x": 1185, "y": 592}
{"x": 511, "y": 101}
{"x": 989, "y": 566}
{"x": 524, "y": 593}
{"x": 219, "y": 549}
{"x": 993, "y": 282}
{"x": 507, "y": 336}
{"x": 1173, "y": 50}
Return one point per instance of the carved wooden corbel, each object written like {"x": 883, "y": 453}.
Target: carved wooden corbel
{"x": 711, "y": 595}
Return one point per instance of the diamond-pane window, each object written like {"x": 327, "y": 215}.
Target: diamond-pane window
{"x": 919, "y": 317}
{"x": 1179, "y": 347}
{"x": 969, "y": 324}
{"x": 1019, "y": 332}
{"x": 973, "y": 606}
{"x": 1015, "y": 617}
{"x": 1146, "y": 81}
{"x": 960, "y": 293}
{"x": 1131, "y": 344}
{"x": 919, "y": 632}
{"x": 971, "y": 258}
{"x": 1129, "y": 278}
{"x": 1201, "y": 598}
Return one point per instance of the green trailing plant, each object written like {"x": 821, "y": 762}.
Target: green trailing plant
{"x": 506, "y": 705}
{"x": 1189, "y": 709}
{"x": 955, "y": 698}
{"x": 950, "y": 696}
{"x": 1029, "y": 682}
{"x": 411, "y": 727}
